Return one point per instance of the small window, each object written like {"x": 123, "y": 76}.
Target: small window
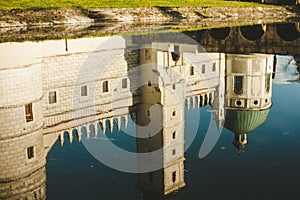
{"x": 238, "y": 103}
{"x": 148, "y": 113}
{"x": 30, "y": 152}
{"x": 267, "y": 82}
{"x": 28, "y": 112}
{"x": 105, "y": 86}
{"x": 35, "y": 195}
{"x": 174, "y": 135}
{"x": 203, "y": 69}
{"x": 147, "y": 54}
{"x": 174, "y": 87}
{"x": 173, "y": 177}
{"x": 124, "y": 83}
{"x": 192, "y": 71}
{"x": 214, "y": 67}
{"x": 83, "y": 90}
{"x": 52, "y": 97}
{"x": 173, "y": 113}
{"x": 175, "y": 55}
{"x": 173, "y": 152}
{"x": 149, "y": 83}
{"x": 255, "y": 102}
{"x": 238, "y": 84}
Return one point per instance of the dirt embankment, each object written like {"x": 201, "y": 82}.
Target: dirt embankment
{"x": 17, "y": 25}
{"x": 17, "y": 18}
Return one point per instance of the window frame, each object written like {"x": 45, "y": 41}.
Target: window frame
{"x": 124, "y": 83}
{"x": 30, "y": 152}
{"x": 84, "y": 91}
{"x": 52, "y": 97}
{"x": 29, "y": 112}
{"x": 105, "y": 86}
{"x": 238, "y": 83}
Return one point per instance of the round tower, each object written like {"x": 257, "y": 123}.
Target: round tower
{"x": 248, "y": 93}
{"x": 22, "y": 161}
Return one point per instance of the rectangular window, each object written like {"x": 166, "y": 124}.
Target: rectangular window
{"x": 28, "y": 112}
{"x": 192, "y": 71}
{"x": 84, "y": 90}
{"x": 214, "y": 67}
{"x": 52, "y": 97}
{"x": 105, "y": 86}
{"x": 124, "y": 83}
{"x": 173, "y": 152}
{"x": 174, "y": 135}
{"x": 173, "y": 177}
{"x": 203, "y": 69}
{"x": 30, "y": 152}
{"x": 267, "y": 82}
{"x": 148, "y": 113}
{"x": 149, "y": 83}
{"x": 175, "y": 54}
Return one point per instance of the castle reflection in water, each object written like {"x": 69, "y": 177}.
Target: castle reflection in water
{"x": 47, "y": 92}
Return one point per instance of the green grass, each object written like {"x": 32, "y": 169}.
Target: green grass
{"x": 54, "y": 4}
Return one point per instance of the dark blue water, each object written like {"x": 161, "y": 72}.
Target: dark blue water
{"x": 268, "y": 168}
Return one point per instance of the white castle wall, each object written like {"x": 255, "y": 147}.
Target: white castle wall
{"x": 19, "y": 177}
{"x": 255, "y": 70}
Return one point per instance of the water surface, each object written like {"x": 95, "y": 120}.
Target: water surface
{"x": 205, "y": 114}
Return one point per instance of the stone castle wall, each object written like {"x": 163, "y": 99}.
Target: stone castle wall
{"x": 21, "y": 140}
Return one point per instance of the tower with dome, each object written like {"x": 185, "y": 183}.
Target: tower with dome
{"x": 248, "y": 89}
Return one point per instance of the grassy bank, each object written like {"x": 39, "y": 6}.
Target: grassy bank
{"x": 50, "y": 4}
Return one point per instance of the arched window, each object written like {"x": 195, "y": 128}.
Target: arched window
{"x": 105, "y": 86}
{"x": 238, "y": 84}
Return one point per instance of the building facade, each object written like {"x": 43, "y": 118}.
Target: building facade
{"x": 54, "y": 92}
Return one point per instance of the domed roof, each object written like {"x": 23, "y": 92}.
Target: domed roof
{"x": 244, "y": 121}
